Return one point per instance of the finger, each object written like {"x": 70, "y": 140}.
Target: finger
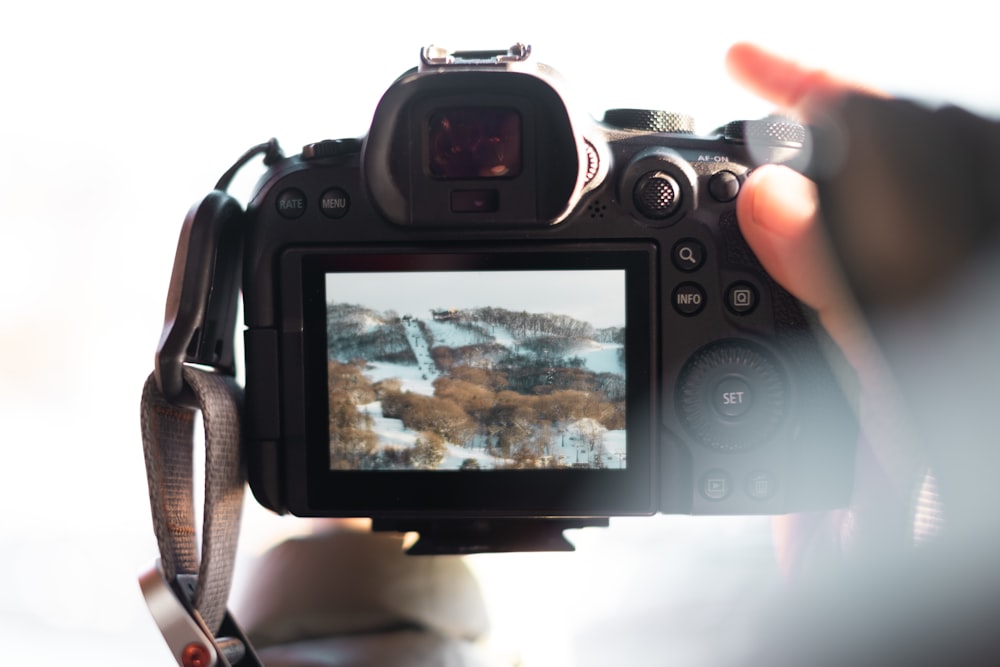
{"x": 786, "y": 83}
{"x": 778, "y": 214}
{"x": 807, "y": 540}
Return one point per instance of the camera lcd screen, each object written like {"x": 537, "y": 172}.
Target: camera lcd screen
{"x": 474, "y": 143}
{"x": 507, "y": 380}
{"x": 484, "y": 370}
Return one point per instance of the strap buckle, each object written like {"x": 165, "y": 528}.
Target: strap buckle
{"x": 189, "y": 641}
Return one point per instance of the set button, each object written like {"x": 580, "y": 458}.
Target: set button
{"x": 732, "y": 395}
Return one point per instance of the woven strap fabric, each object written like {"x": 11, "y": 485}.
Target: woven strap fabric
{"x": 168, "y": 443}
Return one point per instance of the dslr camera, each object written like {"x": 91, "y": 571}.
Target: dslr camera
{"x": 494, "y": 317}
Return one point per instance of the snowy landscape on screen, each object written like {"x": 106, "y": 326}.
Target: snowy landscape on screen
{"x": 478, "y": 387}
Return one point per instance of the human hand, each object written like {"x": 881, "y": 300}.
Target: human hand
{"x": 778, "y": 208}
{"x": 779, "y": 215}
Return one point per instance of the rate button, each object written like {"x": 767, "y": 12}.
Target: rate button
{"x": 291, "y": 203}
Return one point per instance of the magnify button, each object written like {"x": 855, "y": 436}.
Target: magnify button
{"x": 689, "y": 255}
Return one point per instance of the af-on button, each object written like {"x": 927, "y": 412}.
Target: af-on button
{"x": 724, "y": 186}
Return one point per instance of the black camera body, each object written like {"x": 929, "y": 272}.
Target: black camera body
{"x": 492, "y": 307}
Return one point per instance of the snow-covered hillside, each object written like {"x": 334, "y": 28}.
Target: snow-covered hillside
{"x": 512, "y": 397}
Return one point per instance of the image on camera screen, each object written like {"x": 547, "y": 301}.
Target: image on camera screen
{"x": 476, "y": 370}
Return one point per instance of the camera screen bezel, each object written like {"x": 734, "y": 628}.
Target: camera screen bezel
{"x": 453, "y": 493}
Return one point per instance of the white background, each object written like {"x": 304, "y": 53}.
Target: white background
{"x": 115, "y": 117}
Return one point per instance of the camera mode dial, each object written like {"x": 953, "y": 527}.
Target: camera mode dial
{"x": 732, "y": 395}
{"x": 650, "y": 120}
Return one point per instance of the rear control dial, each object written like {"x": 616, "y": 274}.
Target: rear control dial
{"x": 732, "y": 395}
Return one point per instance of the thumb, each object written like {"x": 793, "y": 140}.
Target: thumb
{"x": 778, "y": 212}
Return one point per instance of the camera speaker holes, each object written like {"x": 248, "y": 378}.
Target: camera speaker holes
{"x": 596, "y": 209}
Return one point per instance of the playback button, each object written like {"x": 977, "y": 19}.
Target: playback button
{"x": 716, "y": 485}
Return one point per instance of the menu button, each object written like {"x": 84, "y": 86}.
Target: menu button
{"x": 334, "y": 203}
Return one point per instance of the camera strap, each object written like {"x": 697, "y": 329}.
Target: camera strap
{"x": 188, "y": 590}
{"x": 168, "y": 444}
{"x": 199, "y": 579}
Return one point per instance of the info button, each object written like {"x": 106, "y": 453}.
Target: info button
{"x": 689, "y": 298}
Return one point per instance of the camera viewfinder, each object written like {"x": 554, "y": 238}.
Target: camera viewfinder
{"x": 474, "y": 143}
